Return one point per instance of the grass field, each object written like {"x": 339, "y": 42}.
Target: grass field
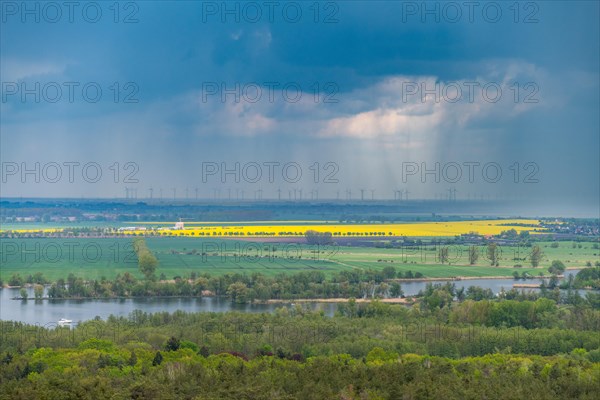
{"x": 94, "y": 258}
{"x": 56, "y": 258}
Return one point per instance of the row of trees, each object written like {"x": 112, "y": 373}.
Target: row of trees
{"x": 440, "y": 296}
{"x": 240, "y": 288}
{"x": 243, "y": 288}
{"x": 492, "y": 254}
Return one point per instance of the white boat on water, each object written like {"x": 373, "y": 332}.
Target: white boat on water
{"x": 64, "y": 322}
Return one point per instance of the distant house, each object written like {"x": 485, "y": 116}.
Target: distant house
{"x": 132, "y": 228}
{"x": 26, "y": 219}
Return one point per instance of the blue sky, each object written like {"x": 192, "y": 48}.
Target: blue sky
{"x": 369, "y": 58}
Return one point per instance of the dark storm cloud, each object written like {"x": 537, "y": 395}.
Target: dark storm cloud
{"x": 362, "y": 61}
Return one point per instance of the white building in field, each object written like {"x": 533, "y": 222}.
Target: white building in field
{"x": 132, "y": 228}
{"x": 178, "y": 225}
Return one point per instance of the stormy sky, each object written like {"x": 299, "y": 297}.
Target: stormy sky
{"x": 493, "y": 100}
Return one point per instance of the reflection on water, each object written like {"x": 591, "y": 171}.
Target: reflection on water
{"x": 496, "y": 285}
{"x": 50, "y": 311}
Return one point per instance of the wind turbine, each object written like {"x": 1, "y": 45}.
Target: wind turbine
{"x": 400, "y": 193}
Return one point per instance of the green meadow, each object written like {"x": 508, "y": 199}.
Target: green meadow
{"x": 93, "y": 258}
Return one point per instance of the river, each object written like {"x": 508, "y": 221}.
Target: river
{"x": 48, "y": 312}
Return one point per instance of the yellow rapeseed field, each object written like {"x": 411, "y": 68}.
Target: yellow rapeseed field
{"x": 486, "y": 227}
{"x": 299, "y": 228}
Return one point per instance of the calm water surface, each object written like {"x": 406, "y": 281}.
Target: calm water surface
{"x": 48, "y": 312}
